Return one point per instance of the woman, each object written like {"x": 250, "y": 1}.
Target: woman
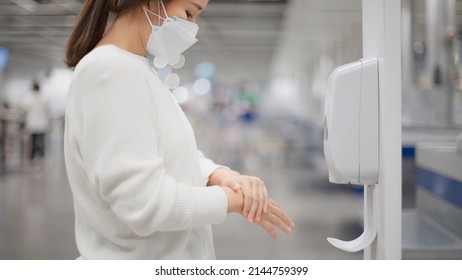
{"x": 141, "y": 188}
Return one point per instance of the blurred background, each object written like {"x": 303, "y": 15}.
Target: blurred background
{"x": 253, "y": 88}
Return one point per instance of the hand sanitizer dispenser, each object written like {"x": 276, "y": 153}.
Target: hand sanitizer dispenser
{"x": 351, "y": 137}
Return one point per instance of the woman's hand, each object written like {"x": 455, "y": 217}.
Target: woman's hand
{"x": 253, "y": 189}
{"x": 275, "y": 217}
{"x": 255, "y": 195}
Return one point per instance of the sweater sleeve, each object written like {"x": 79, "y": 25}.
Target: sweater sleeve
{"x": 207, "y": 165}
{"x": 122, "y": 161}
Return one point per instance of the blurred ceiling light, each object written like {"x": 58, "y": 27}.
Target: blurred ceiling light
{"x": 159, "y": 62}
{"x": 181, "y": 94}
{"x": 205, "y": 69}
{"x": 172, "y": 80}
{"x": 202, "y": 86}
{"x": 164, "y": 72}
{"x": 284, "y": 97}
{"x": 284, "y": 89}
{"x": 29, "y": 5}
{"x": 4, "y": 54}
{"x": 418, "y": 47}
{"x": 180, "y": 63}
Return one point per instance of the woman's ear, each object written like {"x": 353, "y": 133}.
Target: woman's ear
{"x": 150, "y": 5}
{"x": 147, "y": 5}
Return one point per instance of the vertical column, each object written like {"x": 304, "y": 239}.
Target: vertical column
{"x": 3, "y": 122}
{"x": 382, "y": 38}
{"x": 406, "y": 37}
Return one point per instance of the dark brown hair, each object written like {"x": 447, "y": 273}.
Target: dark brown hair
{"x": 91, "y": 26}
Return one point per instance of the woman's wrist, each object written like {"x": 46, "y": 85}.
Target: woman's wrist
{"x": 235, "y": 200}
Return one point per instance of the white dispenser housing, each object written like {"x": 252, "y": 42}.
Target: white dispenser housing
{"x": 351, "y": 137}
{"x": 351, "y": 131}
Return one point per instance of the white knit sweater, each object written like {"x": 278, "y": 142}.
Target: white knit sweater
{"x": 137, "y": 178}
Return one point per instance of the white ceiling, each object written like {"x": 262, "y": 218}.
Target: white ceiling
{"x": 233, "y": 34}
{"x": 256, "y": 38}
{"x": 36, "y": 33}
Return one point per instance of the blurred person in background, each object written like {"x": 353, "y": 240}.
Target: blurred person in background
{"x": 141, "y": 188}
{"x": 37, "y": 121}
{"x": 4, "y": 145}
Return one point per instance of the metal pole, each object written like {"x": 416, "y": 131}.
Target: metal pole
{"x": 382, "y": 38}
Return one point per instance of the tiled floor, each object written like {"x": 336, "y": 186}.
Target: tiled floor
{"x": 37, "y": 220}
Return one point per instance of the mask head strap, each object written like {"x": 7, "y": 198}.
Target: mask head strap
{"x": 158, "y": 10}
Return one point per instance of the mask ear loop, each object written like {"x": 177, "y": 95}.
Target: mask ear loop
{"x": 163, "y": 7}
{"x": 158, "y": 10}
{"x": 149, "y": 18}
{"x": 159, "y": 17}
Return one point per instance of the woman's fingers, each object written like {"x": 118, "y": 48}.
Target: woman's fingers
{"x": 279, "y": 223}
{"x": 269, "y": 228}
{"x": 236, "y": 185}
{"x": 274, "y": 203}
{"x": 262, "y": 201}
{"x": 281, "y": 215}
{"x": 275, "y": 218}
{"x": 255, "y": 195}
{"x": 233, "y": 183}
{"x": 255, "y": 201}
{"x": 248, "y": 197}
{"x": 265, "y": 192}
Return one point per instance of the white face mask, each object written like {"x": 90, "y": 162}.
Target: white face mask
{"x": 172, "y": 38}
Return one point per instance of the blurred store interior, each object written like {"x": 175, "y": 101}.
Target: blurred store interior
{"x": 253, "y": 88}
